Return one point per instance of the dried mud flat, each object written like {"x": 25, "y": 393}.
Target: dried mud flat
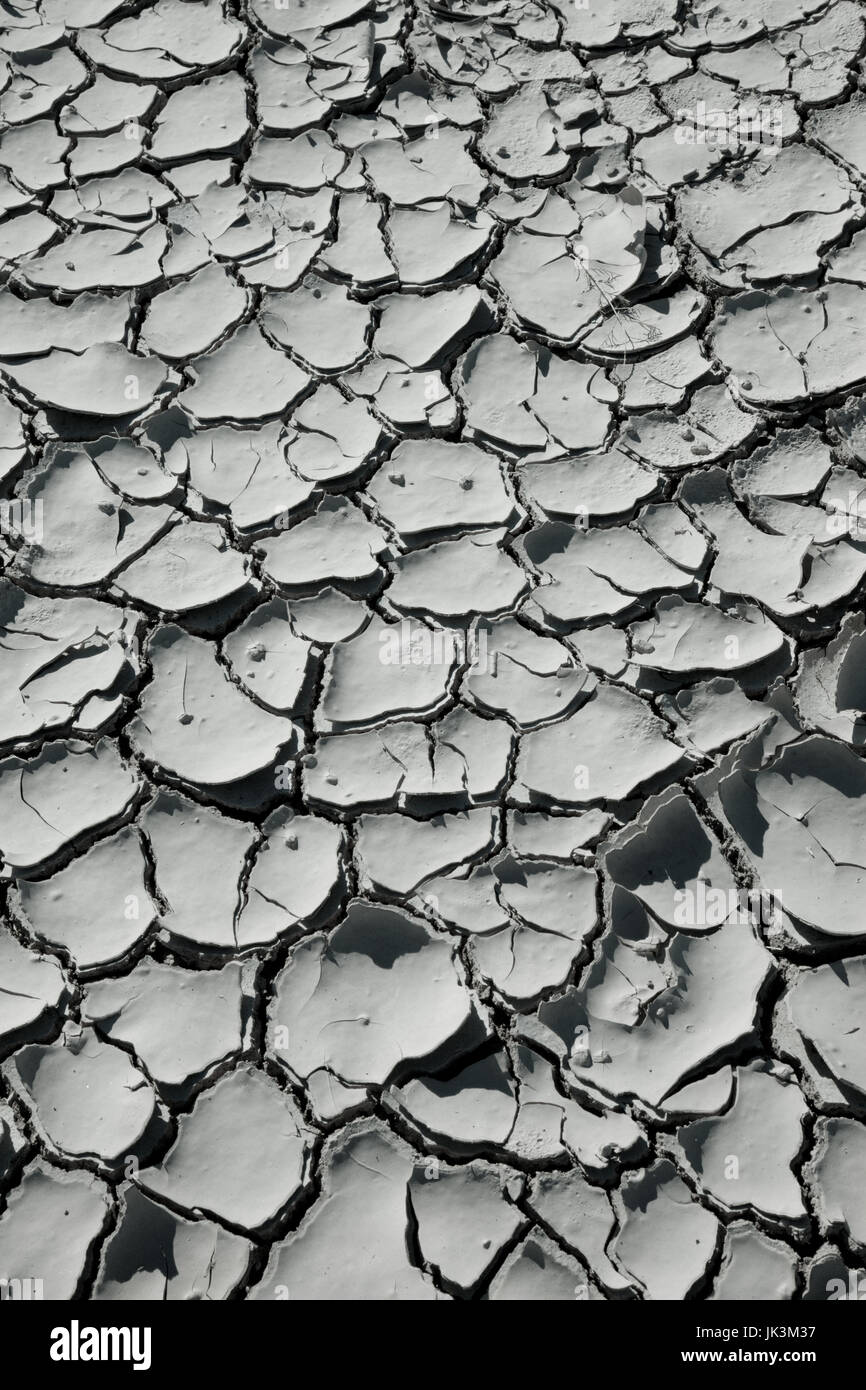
{"x": 432, "y": 658}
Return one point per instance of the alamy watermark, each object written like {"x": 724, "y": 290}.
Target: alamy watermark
{"x": 22, "y": 517}
{"x": 847, "y": 518}
{"x": 854, "y": 1290}
{"x": 710, "y": 907}
{"x": 744, "y": 125}
{"x": 21, "y": 1290}
{"x": 77, "y": 1343}
{"x": 413, "y": 644}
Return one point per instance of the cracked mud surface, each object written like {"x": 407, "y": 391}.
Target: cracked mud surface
{"x": 432, "y": 658}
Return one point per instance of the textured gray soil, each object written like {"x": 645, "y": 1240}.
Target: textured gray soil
{"x": 432, "y": 652}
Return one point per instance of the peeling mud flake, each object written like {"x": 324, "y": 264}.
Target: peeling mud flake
{"x": 179, "y": 1023}
{"x": 93, "y": 531}
{"x": 215, "y": 1167}
{"x": 667, "y": 854}
{"x": 201, "y": 909}
{"x": 474, "y": 1108}
{"x": 578, "y": 762}
{"x": 194, "y": 720}
{"x": 97, "y": 907}
{"x": 267, "y": 658}
{"x": 425, "y": 847}
{"x": 803, "y": 827}
{"x": 192, "y": 316}
{"x": 754, "y": 1267}
{"x": 549, "y": 915}
{"x": 822, "y": 1006}
{"x": 191, "y": 566}
{"x": 202, "y": 119}
{"x": 33, "y": 987}
{"x": 811, "y": 342}
{"x": 89, "y": 1100}
{"x": 539, "y": 1272}
{"x": 457, "y": 579}
{"x": 58, "y": 653}
{"x": 829, "y": 687}
{"x": 295, "y": 876}
{"x": 155, "y": 1253}
{"x": 52, "y": 1223}
{"x": 353, "y": 1242}
{"x": 666, "y": 1238}
{"x": 744, "y": 1157}
{"x": 434, "y": 485}
{"x": 242, "y": 379}
{"x": 97, "y": 257}
{"x": 319, "y": 323}
{"x": 528, "y": 678}
{"x": 595, "y": 573}
{"x": 337, "y": 543}
{"x": 387, "y": 670}
{"x": 103, "y": 380}
{"x": 466, "y": 1216}
{"x": 582, "y": 1217}
{"x": 67, "y": 790}
{"x": 653, "y": 1009}
{"x": 327, "y": 1013}
{"x": 832, "y": 1174}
